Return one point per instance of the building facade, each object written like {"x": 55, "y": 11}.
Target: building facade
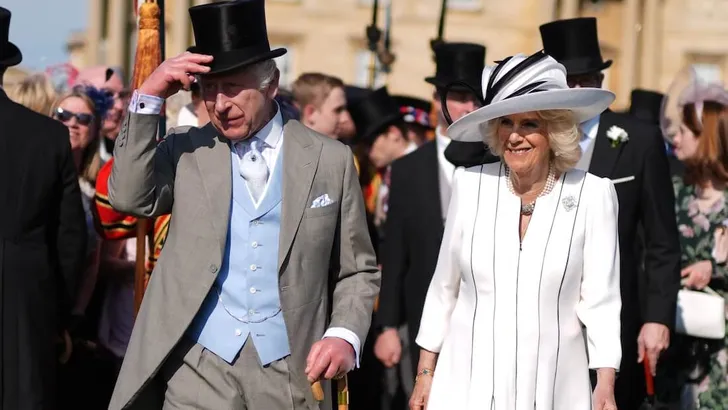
{"x": 649, "y": 40}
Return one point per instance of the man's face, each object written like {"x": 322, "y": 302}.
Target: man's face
{"x": 237, "y": 106}
{"x": 591, "y": 80}
{"x": 387, "y": 147}
{"x": 459, "y": 104}
{"x": 330, "y": 117}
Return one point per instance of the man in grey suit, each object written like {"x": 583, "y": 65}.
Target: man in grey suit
{"x": 268, "y": 277}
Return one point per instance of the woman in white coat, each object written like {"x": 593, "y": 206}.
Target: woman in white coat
{"x": 525, "y": 298}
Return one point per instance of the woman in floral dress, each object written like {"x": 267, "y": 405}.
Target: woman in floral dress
{"x": 702, "y": 218}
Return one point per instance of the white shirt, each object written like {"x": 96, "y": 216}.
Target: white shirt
{"x": 442, "y": 141}
{"x": 589, "y": 129}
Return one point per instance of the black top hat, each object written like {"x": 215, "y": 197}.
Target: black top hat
{"x": 458, "y": 62}
{"x": 646, "y": 105}
{"x": 355, "y": 94}
{"x": 575, "y": 44}
{"x": 10, "y": 55}
{"x": 373, "y": 114}
{"x": 414, "y": 110}
{"x": 233, "y": 32}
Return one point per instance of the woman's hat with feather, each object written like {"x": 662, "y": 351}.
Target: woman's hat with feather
{"x": 520, "y": 84}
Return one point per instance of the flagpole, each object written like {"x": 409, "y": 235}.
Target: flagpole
{"x": 148, "y": 57}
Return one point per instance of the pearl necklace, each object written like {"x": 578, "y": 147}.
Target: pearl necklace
{"x": 527, "y": 209}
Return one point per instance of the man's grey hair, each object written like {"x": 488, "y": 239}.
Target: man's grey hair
{"x": 264, "y": 71}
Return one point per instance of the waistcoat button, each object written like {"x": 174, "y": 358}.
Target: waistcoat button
{"x": 213, "y": 268}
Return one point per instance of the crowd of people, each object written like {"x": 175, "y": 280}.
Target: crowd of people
{"x": 510, "y": 243}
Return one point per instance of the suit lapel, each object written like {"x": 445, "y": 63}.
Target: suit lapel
{"x": 605, "y": 157}
{"x": 431, "y": 182}
{"x": 213, "y": 161}
{"x": 300, "y": 160}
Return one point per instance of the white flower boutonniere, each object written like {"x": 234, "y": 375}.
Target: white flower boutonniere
{"x": 617, "y": 135}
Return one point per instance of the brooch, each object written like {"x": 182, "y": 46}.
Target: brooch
{"x": 569, "y": 203}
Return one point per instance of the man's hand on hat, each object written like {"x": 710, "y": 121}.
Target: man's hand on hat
{"x": 175, "y": 74}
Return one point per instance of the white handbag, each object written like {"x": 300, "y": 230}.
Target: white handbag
{"x": 700, "y": 314}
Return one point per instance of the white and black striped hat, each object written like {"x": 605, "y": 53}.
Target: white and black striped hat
{"x": 521, "y": 84}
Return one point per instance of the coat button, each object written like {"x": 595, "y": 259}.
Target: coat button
{"x": 213, "y": 268}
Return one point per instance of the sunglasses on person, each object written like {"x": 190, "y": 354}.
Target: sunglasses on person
{"x": 65, "y": 116}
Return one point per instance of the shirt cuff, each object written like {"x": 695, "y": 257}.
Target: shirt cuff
{"x": 145, "y": 104}
{"x": 347, "y": 335}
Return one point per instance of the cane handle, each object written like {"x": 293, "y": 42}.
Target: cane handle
{"x": 317, "y": 390}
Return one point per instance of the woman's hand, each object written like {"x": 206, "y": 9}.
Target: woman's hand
{"x": 603, "y": 395}
{"x": 697, "y": 276}
{"x": 421, "y": 393}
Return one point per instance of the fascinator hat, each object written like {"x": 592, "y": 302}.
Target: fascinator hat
{"x": 687, "y": 88}
{"x": 520, "y": 84}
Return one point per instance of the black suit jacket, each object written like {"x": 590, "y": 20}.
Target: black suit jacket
{"x": 42, "y": 251}
{"x": 414, "y": 230}
{"x": 646, "y": 202}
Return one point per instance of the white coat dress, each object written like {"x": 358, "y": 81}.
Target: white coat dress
{"x": 518, "y": 326}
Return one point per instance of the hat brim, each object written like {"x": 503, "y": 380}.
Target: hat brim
{"x": 13, "y": 57}
{"x": 585, "y": 103}
{"x": 373, "y": 131}
{"x": 572, "y": 70}
{"x": 229, "y": 62}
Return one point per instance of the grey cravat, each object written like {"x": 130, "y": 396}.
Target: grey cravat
{"x": 253, "y": 169}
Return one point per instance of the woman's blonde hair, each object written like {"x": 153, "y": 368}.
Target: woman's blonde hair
{"x": 563, "y": 134}
{"x": 90, "y": 158}
{"x": 35, "y": 92}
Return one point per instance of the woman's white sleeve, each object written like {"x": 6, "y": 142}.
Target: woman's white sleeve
{"x": 443, "y": 291}
{"x": 600, "y": 303}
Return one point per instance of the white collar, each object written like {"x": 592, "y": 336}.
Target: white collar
{"x": 589, "y": 127}
{"x": 271, "y": 133}
{"x": 441, "y": 139}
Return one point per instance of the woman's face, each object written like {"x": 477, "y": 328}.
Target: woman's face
{"x": 685, "y": 143}
{"x": 525, "y": 145}
{"x": 78, "y": 117}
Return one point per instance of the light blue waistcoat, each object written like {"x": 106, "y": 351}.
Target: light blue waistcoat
{"x": 248, "y": 278}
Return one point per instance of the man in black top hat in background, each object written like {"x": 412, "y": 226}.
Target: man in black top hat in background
{"x": 418, "y": 202}
{"x": 632, "y": 154}
{"x": 42, "y": 245}
{"x": 381, "y": 127}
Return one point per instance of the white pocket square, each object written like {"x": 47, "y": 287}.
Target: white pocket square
{"x": 322, "y": 201}
{"x": 620, "y": 180}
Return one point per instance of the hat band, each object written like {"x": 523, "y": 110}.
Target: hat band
{"x": 225, "y": 56}
{"x": 581, "y": 64}
{"x": 415, "y": 115}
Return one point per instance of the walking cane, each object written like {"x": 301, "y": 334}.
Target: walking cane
{"x": 649, "y": 403}
{"x": 342, "y": 392}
